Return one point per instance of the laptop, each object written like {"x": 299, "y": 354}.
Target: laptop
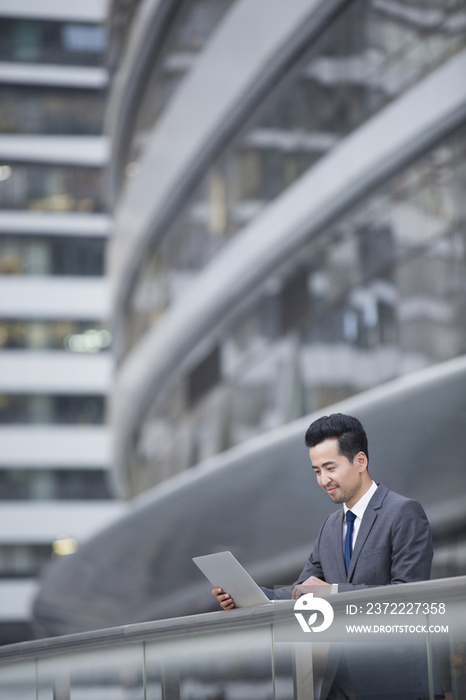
{"x": 224, "y": 571}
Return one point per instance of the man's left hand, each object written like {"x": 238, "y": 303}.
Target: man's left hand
{"x": 312, "y": 585}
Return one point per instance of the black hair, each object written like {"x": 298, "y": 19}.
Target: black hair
{"x": 348, "y": 430}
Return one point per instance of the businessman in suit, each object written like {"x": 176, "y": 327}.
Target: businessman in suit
{"x": 378, "y": 538}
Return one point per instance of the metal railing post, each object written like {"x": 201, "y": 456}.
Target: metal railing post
{"x": 303, "y": 675}
{"x": 61, "y": 688}
{"x": 170, "y": 681}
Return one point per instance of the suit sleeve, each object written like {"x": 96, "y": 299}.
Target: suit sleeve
{"x": 411, "y": 547}
{"x": 312, "y": 568}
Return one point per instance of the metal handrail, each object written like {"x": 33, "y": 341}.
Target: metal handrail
{"x": 446, "y": 589}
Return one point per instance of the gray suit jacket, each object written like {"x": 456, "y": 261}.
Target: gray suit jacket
{"x": 394, "y": 545}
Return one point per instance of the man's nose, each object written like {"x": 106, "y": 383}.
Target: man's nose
{"x": 325, "y": 479}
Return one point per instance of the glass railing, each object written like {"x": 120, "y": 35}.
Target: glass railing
{"x": 251, "y": 654}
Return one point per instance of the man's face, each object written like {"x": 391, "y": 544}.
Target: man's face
{"x": 344, "y": 481}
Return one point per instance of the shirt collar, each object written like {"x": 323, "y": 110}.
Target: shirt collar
{"x": 361, "y": 505}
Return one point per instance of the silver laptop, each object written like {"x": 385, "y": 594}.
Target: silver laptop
{"x": 224, "y": 571}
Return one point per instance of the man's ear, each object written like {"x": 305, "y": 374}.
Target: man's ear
{"x": 361, "y": 461}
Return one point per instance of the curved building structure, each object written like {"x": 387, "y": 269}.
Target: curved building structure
{"x": 288, "y": 183}
{"x": 260, "y": 501}
{"x": 324, "y": 205}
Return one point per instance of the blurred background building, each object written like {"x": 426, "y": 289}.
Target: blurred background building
{"x": 238, "y": 148}
{"x": 287, "y": 183}
{"x": 55, "y": 364}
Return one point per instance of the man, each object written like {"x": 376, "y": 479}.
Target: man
{"x": 378, "y": 538}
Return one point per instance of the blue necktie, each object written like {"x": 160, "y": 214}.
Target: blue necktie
{"x": 350, "y": 518}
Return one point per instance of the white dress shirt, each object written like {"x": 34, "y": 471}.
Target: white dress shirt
{"x": 358, "y": 509}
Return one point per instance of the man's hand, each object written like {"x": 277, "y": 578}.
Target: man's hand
{"x": 225, "y": 599}
{"x": 312, "y": 585}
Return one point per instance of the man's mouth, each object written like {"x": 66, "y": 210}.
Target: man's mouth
{"x": 331, "y": 489}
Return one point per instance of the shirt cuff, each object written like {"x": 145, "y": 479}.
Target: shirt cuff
{"x": 334, "y": 588}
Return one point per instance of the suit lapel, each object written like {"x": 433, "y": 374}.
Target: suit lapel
{"x": 367, "y": 522}
{"x": 338, "y": 539}
{"x": 368, "y": 519}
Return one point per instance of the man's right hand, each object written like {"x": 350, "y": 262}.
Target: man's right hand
{"x": 225, "y": 599}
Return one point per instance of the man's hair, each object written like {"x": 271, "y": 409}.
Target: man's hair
{"x": 347, "y": 430}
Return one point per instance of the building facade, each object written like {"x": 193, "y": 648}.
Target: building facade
{"x": 55, "y": 364}
{"x": 288, "y": 216}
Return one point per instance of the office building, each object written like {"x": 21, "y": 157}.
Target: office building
{"x": 55, "y": 364}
